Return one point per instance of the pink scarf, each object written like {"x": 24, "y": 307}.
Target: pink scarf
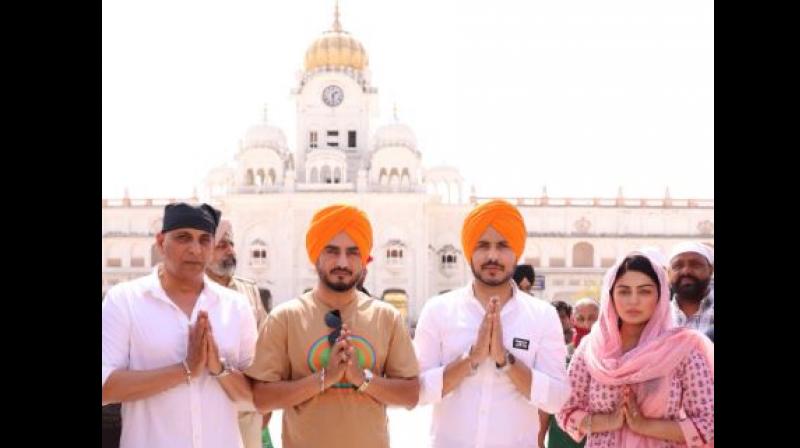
{"x": 661, "y": 347}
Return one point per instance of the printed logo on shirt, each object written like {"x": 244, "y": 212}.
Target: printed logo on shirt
{"x": 320, "y": 352}
{"x": 521, "y": 343}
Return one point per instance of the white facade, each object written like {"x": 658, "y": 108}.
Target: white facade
{"x": 269, "y": 192}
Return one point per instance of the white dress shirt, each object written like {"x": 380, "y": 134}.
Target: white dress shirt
{"x": 144, "y": 330}
{"x": 485, "y": 410}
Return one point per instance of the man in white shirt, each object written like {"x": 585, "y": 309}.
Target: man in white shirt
{"x": 490, "y": 354}
{"x": 175, "y": 343}
{"x": 691, "y": 269}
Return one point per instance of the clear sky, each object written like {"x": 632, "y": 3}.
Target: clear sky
{"x": 583, "y": 96}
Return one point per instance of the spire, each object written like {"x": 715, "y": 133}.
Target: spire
{"x": 394, "y": 111}
{"x": 266, "y": 115}
{"x": 619, "y": 192}
{"x": 666, "y": 194}
{"x": 336, "y": 25}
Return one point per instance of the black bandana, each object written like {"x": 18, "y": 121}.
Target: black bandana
{"x": 181, "y": 215}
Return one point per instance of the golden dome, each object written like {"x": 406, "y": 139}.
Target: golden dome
{"x": 336, "y": 48}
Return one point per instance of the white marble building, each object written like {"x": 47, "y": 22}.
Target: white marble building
{"x": 270, "y": 192}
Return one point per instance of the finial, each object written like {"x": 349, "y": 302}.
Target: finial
{"x": 336, "y": 25}
{"x": 395, "y": 112}
{"x": 266, "y": 109}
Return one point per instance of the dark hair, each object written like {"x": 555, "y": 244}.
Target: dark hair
{"x": 524, "y": 271}
{"x": 563, "y": 306}
{"x": 638, "y": 263}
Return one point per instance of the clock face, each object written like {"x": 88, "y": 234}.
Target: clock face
{"x": 332, "y": 95}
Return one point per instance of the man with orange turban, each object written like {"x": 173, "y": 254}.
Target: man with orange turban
{"x": 334, "y": 358}
{"x": 491, "y": 355}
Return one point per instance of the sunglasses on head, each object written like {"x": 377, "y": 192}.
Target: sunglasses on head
{"x": 333, "y": 319}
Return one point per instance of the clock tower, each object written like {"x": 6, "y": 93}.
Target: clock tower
{"x": 335, "y": 102}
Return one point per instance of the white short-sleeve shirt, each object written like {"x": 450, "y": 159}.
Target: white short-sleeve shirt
{"x": 144, "y": 330}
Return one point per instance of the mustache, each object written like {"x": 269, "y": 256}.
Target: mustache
{"x": 497, "y": 265}
{"x": 341, "y": 271}
{"x": 689, "y": 276}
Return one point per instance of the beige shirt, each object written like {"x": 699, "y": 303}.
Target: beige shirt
{"x": 250, "y": 422}
{"x": 250, "y": 290}
{"x": 293, "y": 344}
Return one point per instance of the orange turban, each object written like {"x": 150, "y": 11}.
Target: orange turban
{"x": 333, "y": 219}
{"x": 504, "y": 217}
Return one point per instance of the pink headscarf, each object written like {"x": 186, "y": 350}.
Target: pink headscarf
{"x": 662, "y": 346}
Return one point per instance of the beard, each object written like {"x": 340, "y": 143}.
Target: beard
{"x": 332, "y": 282}
{"x": 694, "y": 291}
{"x": 224, "y": 268}
{"x": 486, "y": 280}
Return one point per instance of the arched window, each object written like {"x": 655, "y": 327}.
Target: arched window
{"x": 394, "y": 177}
{"x": 260, "y": 177}
{"x": 271, "y": 176}
{"x": 248, "y": 177}
{"x": 583, "y": 255}
{"x": 337, "y": 175}
{"x": 325, "y": 174}
{"x": 394, "y": 253}
{"x": 258, "y": 253}
{"x": 383, "y": 178}
{"x": 448, "y": 255}
{"x": 314, "y": 176}
{"x": 405, "y": 179}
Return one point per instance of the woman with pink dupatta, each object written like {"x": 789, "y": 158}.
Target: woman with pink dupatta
{"x": 638, "y": 381}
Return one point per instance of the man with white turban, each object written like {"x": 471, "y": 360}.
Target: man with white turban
{"x": 691, "y": 269}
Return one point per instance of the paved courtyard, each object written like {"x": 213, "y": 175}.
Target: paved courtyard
{"x": 406, "y": 428}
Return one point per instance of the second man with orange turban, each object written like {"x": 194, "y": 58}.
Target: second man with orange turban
{"x": 334, "y": 358}
{"x": 491, "y": 355}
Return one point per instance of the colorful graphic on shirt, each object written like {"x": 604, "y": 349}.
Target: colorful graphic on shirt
{"x": 320, "y": 352}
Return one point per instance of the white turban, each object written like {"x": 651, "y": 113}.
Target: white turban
{"x": 224, "y": 230}
{"x": 698, "y": 248}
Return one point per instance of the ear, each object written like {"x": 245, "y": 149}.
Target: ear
{"x": 160, "y": 238}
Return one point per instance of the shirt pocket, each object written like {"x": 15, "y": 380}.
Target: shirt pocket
{"x": 457, "y": 340}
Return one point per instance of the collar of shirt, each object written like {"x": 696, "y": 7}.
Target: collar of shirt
{"x": 208, "y": 294}
{"x": 509, "y": 307}
{"x": 705, "y": 304}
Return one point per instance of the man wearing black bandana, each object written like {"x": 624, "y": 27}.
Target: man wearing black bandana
{"x": 174, "y": 343}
